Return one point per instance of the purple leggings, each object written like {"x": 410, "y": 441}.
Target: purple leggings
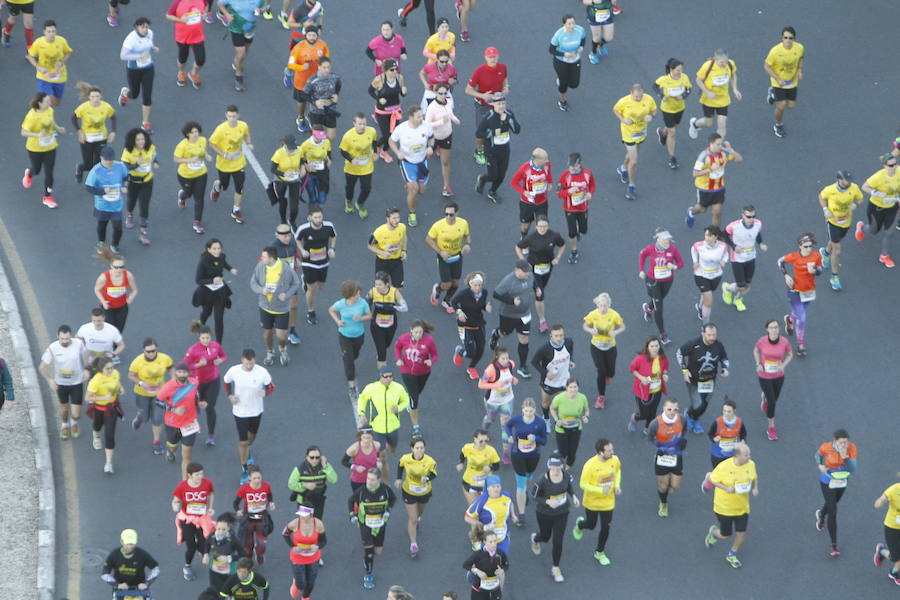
{"x": 798, "y": 315}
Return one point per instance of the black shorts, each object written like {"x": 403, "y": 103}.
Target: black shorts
{"x": 678, "y": 469}
{"x": 269, "y": 320}
{"x": 709, "y": 111}
{"x": 727, "y": 525}
{"x": 707, "y": 285}
{"x": 449, "y": 271}
{"x": 393, "y": 267}
{"x": 835, "y": 233}
{"x": 299, "y": 96}
{"x": 782, "y": 94}
{"x": 510, "y": 324}
{"x": 410, "y": 499}
{"x": 472, "y": 489}
{"x": 445, "y": 143}
{"x": 577, "y": 223}
{"x": 525, "y": 464}
{"x": 672, "y": 120}
{"x": 633, "y": 143}
{"x": 892, "y": 541}
{"x": 239, "y": 40}
{"x": 551, "y": 391}
{"x": 541, "y": 281}
{"x": 246, "y": 426}
{"x": 743, "y": 272}
{"x": 313, "y": 275}
{"x": 529, "y": 212}
{"x": 372, "y": 540}
{"x": 880, "y": 217}
{"x": 70, "y": 394}
{"x": 391, "y": 438}
{"x": 327, "y": 120}
{"x": 173, "y": 437}
{"x": 15, "y": 9}
{"x": 706, "y": 198}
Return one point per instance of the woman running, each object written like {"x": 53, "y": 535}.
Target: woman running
{"x": 529, "y": 433}
{"x": 493, "y": 508}
{"x": 604, "y": 324}
{"x": 836, "y": 461}
{"x": 772, "y": 354}
{"x": 650, "y": 368}
{"x": 634, "y": 111}
{"x": 566, "y": 46}
{"x": 435, "y": 73}
{"x": 139, "y": 155}
{"x": 552, "y": 493}
{"x": 657, "y": 264}
{"x": 305, "y": 536}
{"x": 223, "y": 549}
{"x": 254, "y": 504}
{"x": 570, "y": 411}
{"x": 497, "y": 381}
{"x": 286, "y": 168}
{"x": 315, "y": 172}
{"x": 115, "y": 288}
{"x": 387, "y": 88}
{"x": 672, "y": 88}
{"x": 471, "y": 302}
{"x": 600, "y": 15}
{"x": 440, "y": 117}
{"x": 103, "y": 392}
{"x": 709, "y": 257}
{"x": 386, "y": 301}
{"x": 191, "y": 157}
{"x": 415, "y": 353}
{"x": 806, "y": 265}
{"x": 360, "y": 456}
{"x": 463, "y": 8}
{"x": 443, "y": 39}
{"x": 212, "y": 294}
{"x": 137, "y": 52}
{"x": 204, "y": 358}
{"x": 188, "y": 18}
{"x": 192, "y": 503}
{"x": 883, "y": 188}
{"x": 890, "y": 550}
{"x": 415, "y": 472}
{"x": 349, "y": 314}
{"x": 479, "y": 459}
{"x": 89, "y": 121}
{"x": 39, "y": 129}
{"x": 487, "y": 566}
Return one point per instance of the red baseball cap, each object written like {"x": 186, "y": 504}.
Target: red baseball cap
{"x": 491, "y": 51}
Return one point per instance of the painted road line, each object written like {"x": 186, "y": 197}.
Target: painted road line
{"x": 257, "y": 168}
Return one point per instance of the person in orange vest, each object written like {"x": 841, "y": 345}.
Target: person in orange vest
{"x": 724, "y": 433}
{"x": 666, "y": 432}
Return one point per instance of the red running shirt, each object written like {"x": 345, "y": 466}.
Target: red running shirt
{"x": 194, "y": 500}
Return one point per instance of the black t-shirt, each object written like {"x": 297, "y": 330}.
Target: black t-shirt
{"x": 541, "y": 247}
{"x": 544, "y": 488}
{"x": 255, "y": 588}
{"x": 315, "y": 241}
{"x": 131, "y": 569}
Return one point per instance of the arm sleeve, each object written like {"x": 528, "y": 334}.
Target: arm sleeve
{"x": 347, "y": 156}
{"x": 651, "y": 431}
{"x": 274, "y": 169}
{"x": 370, "y": 53}
{"x": 347, "y": 461}
{"x": 236, "y": 503}
{"x": 330, "y": 474}
{"x": 323, "y": 539}
{"x": 743, "y": 433}
{"x": 401, "y": 471}
{"x": 555, "y": 51}
{"x": 711, "y": 434}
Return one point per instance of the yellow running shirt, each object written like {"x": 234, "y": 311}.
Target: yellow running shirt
{"x": 673, "y": 92}
{"x": 359, "y": 147}
{"x": 635, "y": 110}
{"x": 839, "y": 203}
{"x": 716, "y": 79}
{"x": 93, "y": 120}
{"x": 230, "y": 140}
{"x": 196, "y": 151}
{"x": 599, "y": 480}
{"x": 786, "y": 63}
{"x": 741, "y": 479}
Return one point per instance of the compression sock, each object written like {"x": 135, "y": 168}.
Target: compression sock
{"x": 450, "y": 292}
{"x": 546, "y": 411}
{"x": 369, "y": 559}
{"x": 523, "y": 356}
{"x": 663, "y": 496}
{"x": 29, "y": 36}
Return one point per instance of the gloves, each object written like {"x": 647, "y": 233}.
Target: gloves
{"x": 354, "y": 519}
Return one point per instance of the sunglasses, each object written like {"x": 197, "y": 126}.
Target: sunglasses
{"x": 443, "y": 62}
{"x": 787, "y": 37}
{"x": 450, "y": 214}
{"x": 316, "y": 457}
{"x": 387, "y": 376}
{"x": 891, "y": 165}
{"x": 118, "y": 266}
{"x": 806, "y": 246}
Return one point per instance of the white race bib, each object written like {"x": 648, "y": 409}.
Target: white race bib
{"x": 479, "y": 478}
{"x": 383, "y": 320}
{"x": 639, "y": 135}
{"x": 111, "y": 193}
{"x": 45, "y": 141}
{"x": 897, "y": 520}
{"x": 195, "y": 165}
{"x": 374, "y": 522}
{"x": 222, "y": 564}
{"x": 196, "y": 508}
{"x": 726, "y": 445}
{"x": 539, "y": 187}
{"x": 890, "y": 200}
{"x": 603, "y": 345}
{"x": 526, "y": 445}
{"x": 807, "y": 296}
{"x": 144, "y": 61}
{"x": 666, "y": 460}
{"x": 501, "y": 137}
{"x": 192, "y": 18}
{"x": 711, "y": 272}
{"x": 360, "y": 161}
{"x": 706, "y": 387}
{"x": 717, "y": 174}
{"x": 501, "y": 533}
{"x": 316, "y": 165}
{"x": 94, "y": 137}
{"x": 744, "y": 252}
{"x": 559, "y": 499}
{"x": 418, "y": 489}
{"x": 772, "y": 366}
{"x": 601, "y": 16}
{"x": 661, "y": 272}
{"x": 489, "y": 583}
{"x": 720, "y": 80}
{"x": 577, "y": 198}
{"x": 291, "y": 175}
{"x": 841, "y": 219}
{"x": 116, "y": 291}
{"x": 675, "y": 92}
{"x": 144, "y": 167}
{"x": 743, "y": 487}
{"x": 65, "y": 374}
{"x": 837, "y": 483}
{"x": 318, "y": 254}
{"x": 191, "y": 428}
{"x": 271, "y": 287}
{"x": 542, "y": 269}
{"x": 655, "y": 384}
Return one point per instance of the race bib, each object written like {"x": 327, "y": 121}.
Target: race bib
{"x": 318, "y": 254}
{"x": 360, "y": 161}
{"x": 111, "y": 193}
{"x": 374, "y": 522}
{"x": 490, "y": 583}
{"x": 479, "y": 478}
{"x": 808, "y": 296}
{"x": 639, "y": 135}
{"x": 601, "y": 16}
{"x": 191, "y": 428}
{"x": 743, "y": 487}
{"x": 316, "y": 165}
{"x": 577, "y": 198}
{"x": 501, "y": 533}
{"x": 46, "y": 141}
{"x": 788, "y": 82}
{"x": 94, "y": 137}
{"x": 837, "y": 483}
{"x": 726, "y": 445}
{"x": 542, "y": 269}
{"x": 675, "y": 92}
{"x": 196, "y": 508}
{"x": 501, "y": 137}
{"x": 256, "y": 507}
{"x": 383, "y": 320}
{"x": 66, "y": 374}
{"x": 291, "y": 175}
{"x": 539, "y": 187}
{"x": 772, "y": 366}
{"x": 215, "y": 286}
{"x": 52, "y": 76}
{"x": 304, "y": 549}
{"x": 662, "y": 272}
{"x": 603, "y": 345}
{"x": 897, "y": 519}
{"x": 526, "y": 446}
{"x": 720, "y": 80}
{"x": 222, "y": 564}
{"x": 717, "y": 174}
{"x": 890, "y": 200}
{"x": 271, "y": 287}
{"x": 841, "y": 219}
{"x": 655, "y": 384}
{"x": 568, "y": 423}
{"x": 116, "y": 291}
{"x": 144, "y": 61}
{"x": 706, "y": 387}
{"x": 745, "y": 252}
{"x": 192, "y": 18}
{"x": 711, "y": 272}
{"x": 144, "y": 167}
{"x": 666, "y": 460}
{"x": 418, "y": 489}
{"x": 195, "y": 165}
{"x": 559, "y": 499}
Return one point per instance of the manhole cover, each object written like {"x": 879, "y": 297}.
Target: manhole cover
{"x": 93, "y": 558}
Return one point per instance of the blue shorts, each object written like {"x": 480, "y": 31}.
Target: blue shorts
{"x": 54, "y": 89}
{"x": 414, "y": 172}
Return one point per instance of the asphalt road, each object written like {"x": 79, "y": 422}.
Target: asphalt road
{"x": 843, "y": 122}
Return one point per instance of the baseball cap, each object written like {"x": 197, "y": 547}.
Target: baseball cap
{"x": 388, "y": 64}
{"x": 491, "y": 51}
{"x": 128, "y": 536}
{"x": 289, "y": 141}
{"x": 108, "y": 153}
{"x": 498, "y": 97}
{"x": 845, "y": 175}
{"x": 574, "y": 159}
{"x": 554, "y": 461}
{"x": 385, "y": 370}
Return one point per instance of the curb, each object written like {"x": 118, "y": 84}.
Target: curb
{"x": 41, "y": 444}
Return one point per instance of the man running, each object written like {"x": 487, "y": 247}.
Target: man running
{"x": 576, "y": 187}
{"x": 288, "y": 253}
{"x": 713, "y": 79}
{"x": 553, "y": 361}
{"x": 357, "y": 147}
{"x": 388, "y": 244}
{"x": 486, "y": 80}
{"x": 275, "y": 284}
{"x": 532, "y": 181}
{"x": 379, "y": 405}
{"x": 413, "y": 143}
{"x": 743, "y": 236}
{"x": 180, "y": 398}
{"x": 316, "y": 240}
{"x": 495, "y": 129}
{"x": 601, "y": 480}
{"x": 106, "y": 181}
{"x": 63, "y": 365}
{"x": 48, "y": 55}
{"x": 701, "y": 361}
{"x": 709, "y": 178}
{"x": 543, "y": 249}
{"x": 734, "y": 479}
{"x": 101, "y": 338}
{"x": 228, "y": 141}
{"x": 451, "y": 240}
{"x": 883, "y": 188}
{"x": 240, "y": 18}
{"x": 784, "y": 65}
{"x": 838, "y": 201}
{"x": 16, "y": 8}
{"x": 304, "y": 62}
{"x": 516, "y": 294}
{"x": 245, "y": 583}
{"x": 126, "y": 567}
{"x": 370, "y": 507}
{"x": 246, "y": 385}
{"x": 666, "y": 432}
{"x": 309, "y": 480}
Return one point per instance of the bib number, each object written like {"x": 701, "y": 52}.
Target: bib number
{"x": 745, "y": 252}
{"x": 66, "y": 374}
{"x": 603, "y": 345}
{"x": 639, "y": 135}
{"x": 675, "y": 92}
{"x": 837, "y": 483}
{"x": 539, "y": 188}
{"x": 706, "y": 387}
{"x": 304, "y": 550}
{"x": 316, "y": 165}
{"x": 111, "y": 193}
{"x": 841, "y": 219}
{"x": 717, "y": 174}
{"x": 195, "y": 508}
{"x": 526, "y": 446}
{"x": 662, "y": 272}
{"x": 772, "y": 366}
{"x": 142, "y": 61}
{"x": 385, "y": 321}
{"x": 542, "y": 269}
{"x": 726, "y": 445}
{"x": 318, "y": 254}
{"x": 720, "y": 80}
{"x": 418, "y": 489}
{"x": 601, "y": 16}
{"x": 743, "y": 488}
{"x": 501, "y": 137}
{"x": 144, "y": 167}
{"x": 577, "y": 198}
{"x": 192, "y": 18}
{"x": 94, "y": 137}
{"x": 374, "y": 522}
{"x": 45, "y": 141}
{"x": 222, "y": 564}
{"x": 360, "y": 161}
{"x": 490, "y": 583}
{"x": 291, "y": 175}
{"x": 558, "y": 499}
{"x": 191, "y": 428}
{"x": 501, "y": 533}
{"x": 568, "y": 423}
{"x": 116, "y": 291}
{"x": 808, "y": 296}
{"x": 195, "y": 165}
{"x": 655, "y": 384}
{"x": 666, "y": 460}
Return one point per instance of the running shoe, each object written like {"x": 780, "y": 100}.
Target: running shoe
{"x": 770, "y": 95}
{"x": 7, "y": 42}
{"x": 129, "y": 221}
{"x": 284, "y": 358}
{"x": 623, "y": 174}
{"x": 523, "y": 372}
{"x": 820, "y": 520}
{"x": 557, "y": 574}
{"x": 302, "y": 125}
{"x": 311, "y": 318}
{"x": 269, "y": 360}
{"x": 543, "y": 327}
{"x": 600, "y": 402}
{"x": 632, "y": 424}
{"x": 157, "y": 448}
{"x": 692, "y": 128}
{"x": 673, "y": 163}
{"x": 210, "y": 18}
{"x": 26, "y": 179}
{"x": 836, "y": 283}
{"x": 826, "y": 258}
{"x": 116, "y": 359}
{"x": 860, "y": 234}
{"x": 689, "y": 217}
{"x": 535, "y": 547}
{"x": 663, "y": 511}
{"x": 79, "y": 172}
{"x": 480, "y": 158}
{"x": 64, "y": 434}
{"x": 739, "y": 304}
{"x": 98, "y": 443}
{"x": 123, "y": 96}
{"x": 505, "y": 458}
{"x": 563, "y": 105}
{"x": 76, "y": 430}
{"x": 245, "y": 477}
{"x": 239, "y": 83}
{"x": 664, "y": 338}
{"x": 706, "y": 484}
{"x": 698, "y": 427}
{"x": 417, "y": 433}
{"x": 136, "y": 422}
{"x": 464, "y": 35}
{"x": 472, "y": 372}
{"x": 369, "y": 581}
{"x": 293, "y": 338}
{"x": 413, "y": 550}
{"x": 763, "y": 403}
{"x": 617, "y": 10}
{"x": 170, "y": 455}
{"x": 594, "y": 58}
{"x": 727, "y": 295}
{"x": 361, "y": 210}
{"x": 520, "y": 522}
{"x": 446, "y": 306}
{"x": 662, "y": 134}
{"x": 237, "y": 216}
{"x": 733, "y": 560}
{"x": 283, "y": 19}
{"x": 49, "y": 202}
{"x": 187, "y": 571}
{"x": 144, "y": 238}
{"x": 878, "y": 558}
{"x": 834, "y": 552}
{"x": 210, "y": 440}
{"x": 215, "y": 191}
{"x": 433, "y": 297}
{"x": 195, "y": 80}
{"x": 699, "y": 310}
{"x": 710, "y": 539}
{"x": 385, "y": 156}
{"x": 182, "y": 199}
{"x": 108, "y": 469}
{"x": 604, "y": 51}
{"x": 602, "y": 558}
{"x": 181, "y": 79}
{"x": 789, "y": 324}
{"x": 348, "y": 206}
{"x": 267, "y": 14}
{"x": 772, "y": 434}
{"x": 402, "y": 17}
{"x": 573, "y": 257}
{"x": 295, "y": 591}
{"x": 495, "y": 337}
{"x": 779, "y": 130}
{"x": 886, "y": 260}
{"x": 895, "y": 577}
{"x": 447, "y": 192}
{"x": 412, "y": 220}
{"x": 494, "y": 197}
{"x": 647, "y": 312}
{"x": 112, "y": 21}
{"x": 631, "y": 193}
{"x": 577, "y": 531}
{"x": 147, "y": 127}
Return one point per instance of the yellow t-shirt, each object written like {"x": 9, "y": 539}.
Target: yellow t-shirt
{"x": 785, "y": 62}
{"x": 42, "y": 121}
{"x": 889, "y": 185}
{"x": 143, "y": 161}
{"x": 196, "y": 151}
{"x": 607, "y": 474}
{"x": 476, "y": 461}
{"x": 230, "y": 140}
{"x": 390, "y": 240}
{"x": 740, "y": 478}
{"x": 449, "y": 237}
{"x": 635, "y": 110}
{"x": 315, "y": 154}
{"x": 287, "y": 163}
{"x": 434, "y": 44}
{"x": 839, "y": 203}
{"x": 93, "y": 120}
{"x": 673, "y": 92}
{"x": 716, "y": 163}
{"x": 359, "y": 147}
{"x": 716, "y": 80}
{"x": 603, "y": 323}
{"x": 415, "y": 470}
{"x": 273, "y": 276}
{"x": 892, "y": 518}
{"x": 152, "y": 372}
{"x": 103, "y": 385}
{"x": 48, "y": 54}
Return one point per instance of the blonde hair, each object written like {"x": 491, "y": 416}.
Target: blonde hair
{"x": 85, "y": 89}
{"x": 603, "y": 296}
{"x": 528, "y": 402}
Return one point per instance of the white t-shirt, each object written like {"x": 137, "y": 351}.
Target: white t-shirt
{"x": 67, "y": 362}
{"x": 99, "y": 342}
{"x": 413, "y": 143}
{"x": 247, "y": 388}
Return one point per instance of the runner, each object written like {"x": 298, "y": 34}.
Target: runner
{"x": 245, "y": 584}
{"x": 883, "y": 188}
{"x": 370, "y": 508}
{"x": 486, "y": 566}
{"x": 39, "y": 129}
{"x": 838, "y": 201}
{"x": 439, "y": 116}
{"x": 379, "y": 406}
{"x": 413, "y": 5}
{"x": 212, "y": 293}
{"x": 255, "y": 517}
{"x": 415, "y": 353}
{"x": 528, "y": 433}
{"x": 304, "y": 62}
{"x": 713, "y": 78}
{"x": 240, "y": 17}
{"x": 386, "y": 301}
{"x": 666, "y": 432}
{"x": 493, "y": 509}
{"x": 139, "y": 155}
{"x": 479, "y": 459}
{"x": 228, "y": 141}
{"x": 103, "y": 393}
{"x": 743, "y": 236}
{"x": 63, "y": 365}
{"x": 388, "y": 45}
{"x": 532, "y": 180}
{"x": 274, "y": 284}
{"x": 566, "y": 46}
{"x": 497, "y": 381}
{"x": 551, "y": 493}
{"x": 435, "y": 72}
{"x": 286, "y": 246}
{"x": 115, "y": 288}
{"x": 891, "y": 548}
{"x": 784, "y": 65}
{"x": 387, "y": 88}
{"x": 571, "y": 412}
{"x": 806, "y": 265}
{"x": 657, "y": 264}
{"x": 836, "y": 461}
{"x": 224, "y": 549}
{"x": 247, "y": 385}
{"x": 388, "y": 244}
{"x": 306, "y": 12}
{"x": 362, "y": 455}
{"x": 112, "y": 19}
{"x": 709, "y": 178}
{"x": 672, "y": 88}
{"x": 553, "y": 361}
{"x": 316, "y": 240}
{"x": 604, "y": 324}
{"x": 188, "y": 18}
{"x": 137, "y": 52}
{"x": 315, "y": 156}
{"x": 413, "y": 143}
{"x": 358, "y": 147}
{"x": 441, "y": 39}
{"x": 415, "y": 472}
{"x": 576, "y": 187}
{"x": 180, "y": 399}
{"x": 204, "y": 358}
{"x": 106, "y": 181}
{"x": 148, "y": 371}
{"x": 101, "y": 339}
{"x": 724, "y": 432}
{"x": 26, "y": 9}
{"x": 471, "y": 303}
{"x": 463, "y": 8}
{"x": 487, "y": 80}
{"x": 306, "y": 537}
{"x": 286, "y": 185}
{"x": 601, "y": 480}
{"x": 600, "y": 17}
{"x": 772, "y": 353}
{"x": 126, "y": 567}
{"x": 89, "y": 121}
{"x": 191, "y": 156}
{"x": 701, "y": 361}
{"x": 516, "y": 293}
{"x": 48, "y": 55}
{"x": 709, "y": 257}
{"x": 634, "y": 112}
{"x": 734, "y": 479}
{"x": 650, "y": 368}
{"x": 323, "y": 90}
{"x": 309, "y": 481}
{"x": 350, "y": 314}
{"x": 538, "y": 249}
{"x": 495, "y": 129}
{"x": 450, "y": 239}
